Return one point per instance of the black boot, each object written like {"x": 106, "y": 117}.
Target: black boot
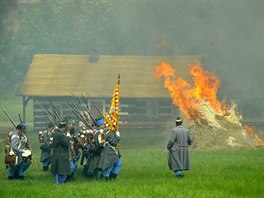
{"x": 112, "y": 176}
{"x": 70, "y": 177}
{"x": 16, "y": 175}
{"x": 10, "y": 177}
{"x": 104, "y": 178}
{"x": 21, "y": 177}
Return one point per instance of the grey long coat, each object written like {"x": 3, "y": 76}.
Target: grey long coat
{"x": 95, "y": 154}
{"x": 178, "y": 149}
{"x": 60, "y": 162}
{"x": 46, "y": 146}
{"x": 109, "y": 155}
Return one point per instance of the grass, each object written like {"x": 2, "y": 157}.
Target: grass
{"x": 222, "y": 173}
{"x": 219, "y": 173}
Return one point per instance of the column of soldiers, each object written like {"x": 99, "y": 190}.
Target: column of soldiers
{"x": 96, "y": 149}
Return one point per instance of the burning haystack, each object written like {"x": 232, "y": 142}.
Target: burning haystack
{"x": 213, "y": 124}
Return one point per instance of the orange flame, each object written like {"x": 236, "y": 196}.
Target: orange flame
{"x": 186, "y": 96}
{"x": 249, "y": 130}
{"x": 259, "y": 141}
{"x": 206, "y": 86}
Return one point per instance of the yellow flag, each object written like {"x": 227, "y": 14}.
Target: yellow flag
{"x": 111, "y": 118}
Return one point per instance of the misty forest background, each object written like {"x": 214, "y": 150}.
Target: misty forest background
{"x": 227, "y": 34}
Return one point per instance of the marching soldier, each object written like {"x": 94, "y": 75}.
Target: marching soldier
{"x": 84, "y": 135}
{"x": 87, "y": 139}
{"x": 27, "y": 155}
{"x": 178, "y": 149}
{"x": 75, "y": 146}
{"x": 110, "y": 162}
{"x": 60, "y": 162}
{"x": 46, "y": 139}
{"x": 95, "y": 149}
{"x": 19, "y": 148}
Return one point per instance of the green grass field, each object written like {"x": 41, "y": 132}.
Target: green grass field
{"x": 219, "y": 173}
{"x": 222, "y": 173}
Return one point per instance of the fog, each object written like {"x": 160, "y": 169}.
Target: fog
{"x": 227, "y": 34}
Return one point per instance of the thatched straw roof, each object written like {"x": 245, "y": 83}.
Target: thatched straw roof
{"x": 64, "y": 75}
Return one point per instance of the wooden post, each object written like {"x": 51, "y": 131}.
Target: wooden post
{"x": 25, "y": 101}
{"x": 24, "y": 109}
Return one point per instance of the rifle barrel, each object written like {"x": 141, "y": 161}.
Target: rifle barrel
{"x": 9, "y": 117}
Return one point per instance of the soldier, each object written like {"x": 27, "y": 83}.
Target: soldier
{"x": 95, "y": 149}
{"x": 46, "y": 139}
{"x": 27, "y": 155}
{"x": 18, "y": 145}
{"x": 60, "y": 162}
{"x": 87, "y": 139}
{"x": 178, "y": 149}
{"x": 110, "y": 162}
{"x": 75, "y": 146}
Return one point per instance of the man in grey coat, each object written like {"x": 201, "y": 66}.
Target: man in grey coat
{"x": 178, "y": 159}
{"x": 96, "y": 148}
{"x": 110, "y": 162}
{"x": 60, "y": 162}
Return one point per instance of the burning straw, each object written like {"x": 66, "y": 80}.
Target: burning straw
{"x": 215, "y": 124}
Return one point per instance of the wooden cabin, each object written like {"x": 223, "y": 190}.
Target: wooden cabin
{"x": 144, "y": 101}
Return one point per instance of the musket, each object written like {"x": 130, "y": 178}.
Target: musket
{"x": 118, "y": 82}
{"x": 55, "y": 111}
{"x": 48, "y": 112}
{"x": 96, "y": 106}
{"x": 51, "y": 117}
{"x": 76, "y": 113}
{"x": 88, "y": 110}
{"x": 9, "y": 117}
{"x": 84, "y": 113}
{"x": 100, "y": 111}
{"x": 20, "y": 118}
